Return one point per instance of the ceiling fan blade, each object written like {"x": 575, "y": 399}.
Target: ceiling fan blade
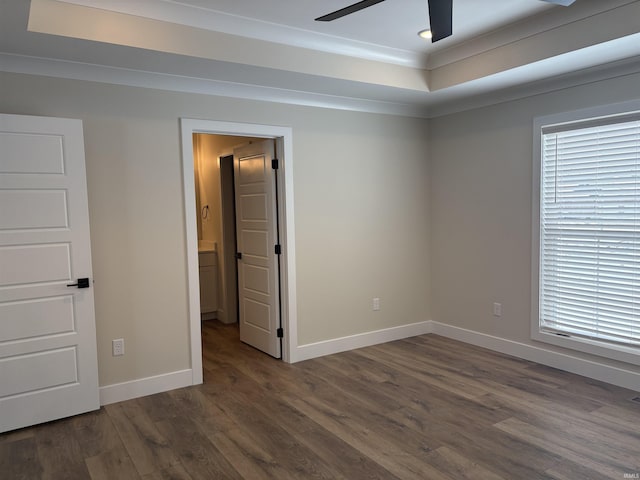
{"x": 348, "y": 10}
{"x": 441, "y": 19}
{"x": 564, "y": 3}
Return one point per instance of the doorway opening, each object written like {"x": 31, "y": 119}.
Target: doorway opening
{"x": 210, "y": 230}
{"x": 216, "y": 224}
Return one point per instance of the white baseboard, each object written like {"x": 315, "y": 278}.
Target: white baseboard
{"x": 161, "y": 383}
{"x": 142, "y": 387}
{"x": 587, "y": 368}
{"x": 351, "y": 342}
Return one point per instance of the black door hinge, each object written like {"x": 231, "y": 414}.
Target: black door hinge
{"x": 280, "y": 332}
{"x": 239, "y": 255}
{"x": 275, "y": 164}
{"x": 278, "y": 249}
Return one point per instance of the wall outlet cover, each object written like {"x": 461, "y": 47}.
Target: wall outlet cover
{"x": 117, "y": 347}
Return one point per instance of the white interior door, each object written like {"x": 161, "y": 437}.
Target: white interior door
{"x": 256, "y": 230}
{"x": 48, "y": 363}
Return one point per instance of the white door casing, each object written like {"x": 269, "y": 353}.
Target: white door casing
{"x": 257, "y": 236}
{"x": 284, "y": 142}
{"x": 48, "y": 361}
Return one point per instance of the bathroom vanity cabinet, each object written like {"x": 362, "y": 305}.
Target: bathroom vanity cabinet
{"x": 208, "y": 284}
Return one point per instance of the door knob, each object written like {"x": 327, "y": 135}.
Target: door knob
{"x": 82, "y": 283}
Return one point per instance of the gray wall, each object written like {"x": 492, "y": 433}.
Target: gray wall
{"x": 361, "y": 212}
{"x": 379, "y": 211}
{"x": 481, "y": 186}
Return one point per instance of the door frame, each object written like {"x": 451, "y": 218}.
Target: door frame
{"x": 284, "y": 151}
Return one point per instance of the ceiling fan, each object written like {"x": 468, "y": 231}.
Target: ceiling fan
{"x": 440, "y": 14}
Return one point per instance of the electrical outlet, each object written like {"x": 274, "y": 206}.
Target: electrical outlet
{"x": 117, "y": 347}
{"x": 497, "y": 309}
{"x": 376, "y": 304}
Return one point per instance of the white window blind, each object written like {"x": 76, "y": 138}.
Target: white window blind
{"x": 590, "y": 230}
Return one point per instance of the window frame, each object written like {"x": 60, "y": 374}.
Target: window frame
{"x": 589, "y": 115}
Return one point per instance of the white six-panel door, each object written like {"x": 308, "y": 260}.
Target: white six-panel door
{"x": 256, "y": 230}
{"x": 48, "y": 364}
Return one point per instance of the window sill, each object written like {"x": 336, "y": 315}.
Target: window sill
{"x": 602, "y": 349}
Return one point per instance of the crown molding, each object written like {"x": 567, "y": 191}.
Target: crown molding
{"x": 475, "y": 99}
{"x": 67, "y": 20}
{"x": 555, "y": 20}
{"x": 49, "y": 67}
{"x": 458, "y": 101}
{"x": 214, "y": 20}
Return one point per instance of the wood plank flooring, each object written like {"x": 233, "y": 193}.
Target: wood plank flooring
{"x": 421, "y": 408}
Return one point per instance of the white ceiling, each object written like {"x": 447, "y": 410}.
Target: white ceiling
{"x": 392, "y": 23}
{"x": 371, "y": 60}
{"x": 385, "y": 31}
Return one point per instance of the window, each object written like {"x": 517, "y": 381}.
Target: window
{"x": 588, "y": 235}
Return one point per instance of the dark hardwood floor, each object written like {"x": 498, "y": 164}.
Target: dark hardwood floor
{"x": 421, "y": 408}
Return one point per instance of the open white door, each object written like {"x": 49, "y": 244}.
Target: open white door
{"x": 48, "y": 363}
{"x": 257, "y": 240}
